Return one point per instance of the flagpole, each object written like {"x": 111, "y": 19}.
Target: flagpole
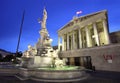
{"x": 77, "y": 13}
{"x": 20, "y": 32}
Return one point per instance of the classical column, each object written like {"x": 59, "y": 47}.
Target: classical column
{"x": 67, "y": 41}
{"x": 87, "y": 37}
{"x": 80, "y": 39}
{"x": 73, "y": 41}
{"x": 63, "y": 43}
{"x": 58, "y": 43}
{"x": 106, "y": 32}
{"x": 96, "y": 34}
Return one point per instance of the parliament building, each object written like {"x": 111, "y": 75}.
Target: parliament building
{"x": 86, "y": 41}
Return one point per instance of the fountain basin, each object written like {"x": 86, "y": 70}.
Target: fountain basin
{"x": 53, "y": 75}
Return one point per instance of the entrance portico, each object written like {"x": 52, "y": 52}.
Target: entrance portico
{"x": 87, "y": 31}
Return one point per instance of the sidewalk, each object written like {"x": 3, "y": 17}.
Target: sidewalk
{"x": 105, "y": 74}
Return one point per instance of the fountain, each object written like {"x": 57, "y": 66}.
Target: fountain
{"x": 42, "y": 63}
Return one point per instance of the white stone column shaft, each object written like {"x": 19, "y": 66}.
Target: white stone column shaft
{"x": 59, "y": 43}
{"x": 67, "y": 41}
{"x": 63, "y": 43}
{"x": 80, "y": 38}
{"x": 96, "y": 34}
{"x": 87, "y": 37}
{"x": 73, "y": 41}
{"x": 106, "y": 32}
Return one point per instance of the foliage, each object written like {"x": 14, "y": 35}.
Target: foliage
{"x": 11, "y": 57}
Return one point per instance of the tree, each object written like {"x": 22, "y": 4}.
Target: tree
{"x": 1, "y": 57}
{"x": 8, "y": 58}
{"x": 19, "y": 54}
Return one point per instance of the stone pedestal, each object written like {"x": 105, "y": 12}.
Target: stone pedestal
{"x": 36, "y": 61}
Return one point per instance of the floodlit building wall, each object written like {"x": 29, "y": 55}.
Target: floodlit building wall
{"x": 99, "y": 56}
{"x": 86, "y": 42}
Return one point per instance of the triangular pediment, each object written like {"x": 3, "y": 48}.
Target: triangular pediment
{"x": 82, "y": 18}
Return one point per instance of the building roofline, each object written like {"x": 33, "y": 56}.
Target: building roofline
{"x": 82, "y": 17}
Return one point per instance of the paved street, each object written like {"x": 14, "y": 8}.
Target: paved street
{"x": 95, "y": 77}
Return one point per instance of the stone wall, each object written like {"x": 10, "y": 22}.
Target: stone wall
{"x": 99, "y": 56}
{"x": 47, "y": 75}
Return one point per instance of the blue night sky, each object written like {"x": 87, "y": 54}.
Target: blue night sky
{"x": 59, "y": 12}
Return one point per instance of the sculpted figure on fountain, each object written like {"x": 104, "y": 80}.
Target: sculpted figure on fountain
{"x": 31, "y": 52}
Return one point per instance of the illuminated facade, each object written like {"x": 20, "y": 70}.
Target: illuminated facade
{"x": 86, "y": 31}
{"x": 85, "y": 41}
